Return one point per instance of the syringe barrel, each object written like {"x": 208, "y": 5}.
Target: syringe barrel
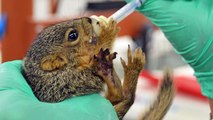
{"x": 126, "y": 10}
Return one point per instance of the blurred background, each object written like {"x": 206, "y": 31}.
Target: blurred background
{"x": 21, "y": 20}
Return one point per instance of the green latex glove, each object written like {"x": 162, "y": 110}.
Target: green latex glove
{"x": 188, "y": 25}
{"x": 17, "y": 101}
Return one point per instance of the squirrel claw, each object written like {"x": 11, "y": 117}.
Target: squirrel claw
{"x": 103, "y": 62}
{"x": 111, "y": 56}
{"x": 102, "y": 54}
{"x": 106, "y": 52}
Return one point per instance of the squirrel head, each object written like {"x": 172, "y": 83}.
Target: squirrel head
{"x": 72, "y": 42}
{"x": 59, "y": 62}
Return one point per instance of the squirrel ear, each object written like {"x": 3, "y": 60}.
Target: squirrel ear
{"x": 53, "y": 62}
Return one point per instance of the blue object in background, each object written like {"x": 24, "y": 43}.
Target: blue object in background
{"x": 3, "y": 22}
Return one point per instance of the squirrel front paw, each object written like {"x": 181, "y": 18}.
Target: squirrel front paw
{"x": 135, "y": 62}
{"x": 109, "y": 30}
{"x": 104, "y": 65}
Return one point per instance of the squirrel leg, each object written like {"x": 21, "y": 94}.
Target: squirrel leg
{"x": 131, "y": 72}
{"x": 104, "y": 66}
{"x": 114, "y": 93}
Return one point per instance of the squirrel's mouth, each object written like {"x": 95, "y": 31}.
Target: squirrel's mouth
{"x": 97, "y": 24}
{"x": 96, "y": 29}
{"x": 93, "y": 40}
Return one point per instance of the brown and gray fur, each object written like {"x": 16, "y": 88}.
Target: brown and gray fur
{"x": 57, "y": 69}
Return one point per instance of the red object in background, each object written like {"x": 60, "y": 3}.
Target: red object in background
{"x": 184, "y": 84}
{"x": 15, "y": 42}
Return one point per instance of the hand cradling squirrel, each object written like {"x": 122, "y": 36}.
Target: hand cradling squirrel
{"x": 73, "y": 58}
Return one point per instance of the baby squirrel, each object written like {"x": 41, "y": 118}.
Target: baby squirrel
{"x": 73, "y": 58}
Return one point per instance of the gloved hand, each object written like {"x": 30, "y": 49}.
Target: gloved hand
{"x": 17, "y": 101}
{"x": 188, "y": 25}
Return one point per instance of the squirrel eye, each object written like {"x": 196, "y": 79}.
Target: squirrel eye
{"x": 73, "y": 35}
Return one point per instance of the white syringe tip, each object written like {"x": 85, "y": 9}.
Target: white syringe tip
{"x": 126, "y": 10}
